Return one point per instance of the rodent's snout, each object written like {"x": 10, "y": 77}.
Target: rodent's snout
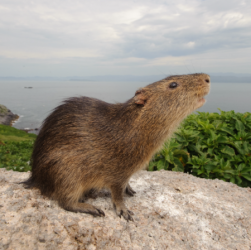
{"x": 207, "y": 79}
{"x": 204, "y": 80}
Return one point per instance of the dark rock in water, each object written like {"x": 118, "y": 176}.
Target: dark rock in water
{"x": 6, "y": 116}
{"x": 28, "y": 87}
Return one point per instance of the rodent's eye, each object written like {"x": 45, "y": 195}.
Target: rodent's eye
{"x": 173, "y": 85}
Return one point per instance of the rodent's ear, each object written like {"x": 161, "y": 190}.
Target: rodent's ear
{"x": 140, "y": 97}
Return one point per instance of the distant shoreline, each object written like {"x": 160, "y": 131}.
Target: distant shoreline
{"x": 8, "y": 118}
{"x": 129, "y": 78}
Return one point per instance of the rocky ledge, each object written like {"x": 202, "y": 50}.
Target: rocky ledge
{"x": 172, "y": 211}
{"x": 6, "y": 116}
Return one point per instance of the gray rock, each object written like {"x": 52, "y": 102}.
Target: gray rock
{"x": 172, "y": 211}
{"x": 6, "y": 116}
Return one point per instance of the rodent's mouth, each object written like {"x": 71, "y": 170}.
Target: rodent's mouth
{"x": 202, "y": 100}
{"x": 200, "y": 103}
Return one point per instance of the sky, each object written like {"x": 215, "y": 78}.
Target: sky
{"x": 132, "y": 37}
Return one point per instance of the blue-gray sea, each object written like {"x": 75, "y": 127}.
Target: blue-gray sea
{"x": 34, "y": 104}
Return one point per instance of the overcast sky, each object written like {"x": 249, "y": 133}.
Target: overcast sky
{"x": 135, "y": 37}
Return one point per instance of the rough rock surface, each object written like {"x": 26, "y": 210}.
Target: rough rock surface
{"x": 172, "y": 211}
{"x": 6, "y": 116}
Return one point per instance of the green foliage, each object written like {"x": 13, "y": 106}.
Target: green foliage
{"x": 8, "y": 133}
{"x": 210, "y": 145}
{"x": 16, "y": 155}
{"x": 15, "y": 148}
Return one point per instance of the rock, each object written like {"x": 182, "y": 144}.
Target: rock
{"x": 172, "y": 211}
{"x": 6, "y": 116}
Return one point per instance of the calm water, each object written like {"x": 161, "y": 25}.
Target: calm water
{"x": 33, "y": 105}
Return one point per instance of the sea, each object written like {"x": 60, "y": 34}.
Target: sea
{"x": 33, "y": 101}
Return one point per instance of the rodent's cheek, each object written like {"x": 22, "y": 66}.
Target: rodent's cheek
{"x": 206, "y": 90}
{"x": 200, "y": 103}
{"x": 209, "y": 88}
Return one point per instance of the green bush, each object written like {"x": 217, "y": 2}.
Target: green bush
{"x": 15, "y": 148}
{"x": 8, "y": 133}
{"x": 16, "y": 155}
{"x": 210, "y": 145}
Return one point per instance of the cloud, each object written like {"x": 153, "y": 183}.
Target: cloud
{"x": 184, "y": 30}
{"x": 111, "y": 31}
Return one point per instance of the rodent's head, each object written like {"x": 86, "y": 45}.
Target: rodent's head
{"x": 179, "y": 94}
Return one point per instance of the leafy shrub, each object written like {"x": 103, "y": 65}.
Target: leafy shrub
{"x": 15, "y": 148}
{"x": 210, "y": 145}
{"x": 16, "y": 155}
{"x": 8, "y": 133}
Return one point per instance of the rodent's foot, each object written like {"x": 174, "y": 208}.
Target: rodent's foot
{"x": 122, "y": 210}
{"x": 129, "y": 190}
{"x": 85, "y": 208}
{"x": 100, "y": 212}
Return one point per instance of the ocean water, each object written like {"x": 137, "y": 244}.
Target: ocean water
{"x": 34, "y": 104}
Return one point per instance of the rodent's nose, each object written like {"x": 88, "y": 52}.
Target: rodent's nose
{"x": 207, "y": 79}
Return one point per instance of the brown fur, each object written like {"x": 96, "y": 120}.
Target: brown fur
{"x": 87, "y": 144}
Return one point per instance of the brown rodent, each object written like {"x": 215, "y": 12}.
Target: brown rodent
{"x": 87, "y": 144}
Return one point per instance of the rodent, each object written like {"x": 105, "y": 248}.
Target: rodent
{"x": 87, "y": 144}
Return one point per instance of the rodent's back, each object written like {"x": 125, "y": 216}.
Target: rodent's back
{"x": 71, "y": 123}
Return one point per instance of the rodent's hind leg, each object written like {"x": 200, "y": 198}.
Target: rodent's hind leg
{"x": 84, "y": 208}
{"x": 118, "y": 203}
{"x": 129, "y": 190}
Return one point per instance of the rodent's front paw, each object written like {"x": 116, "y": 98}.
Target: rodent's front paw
{"x": 122, "y": 210}
{"x": 129, "y": 190}
{"x": 99, "y": 213}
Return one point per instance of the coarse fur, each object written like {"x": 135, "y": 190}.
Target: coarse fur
{"x": 87, "y": 144}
